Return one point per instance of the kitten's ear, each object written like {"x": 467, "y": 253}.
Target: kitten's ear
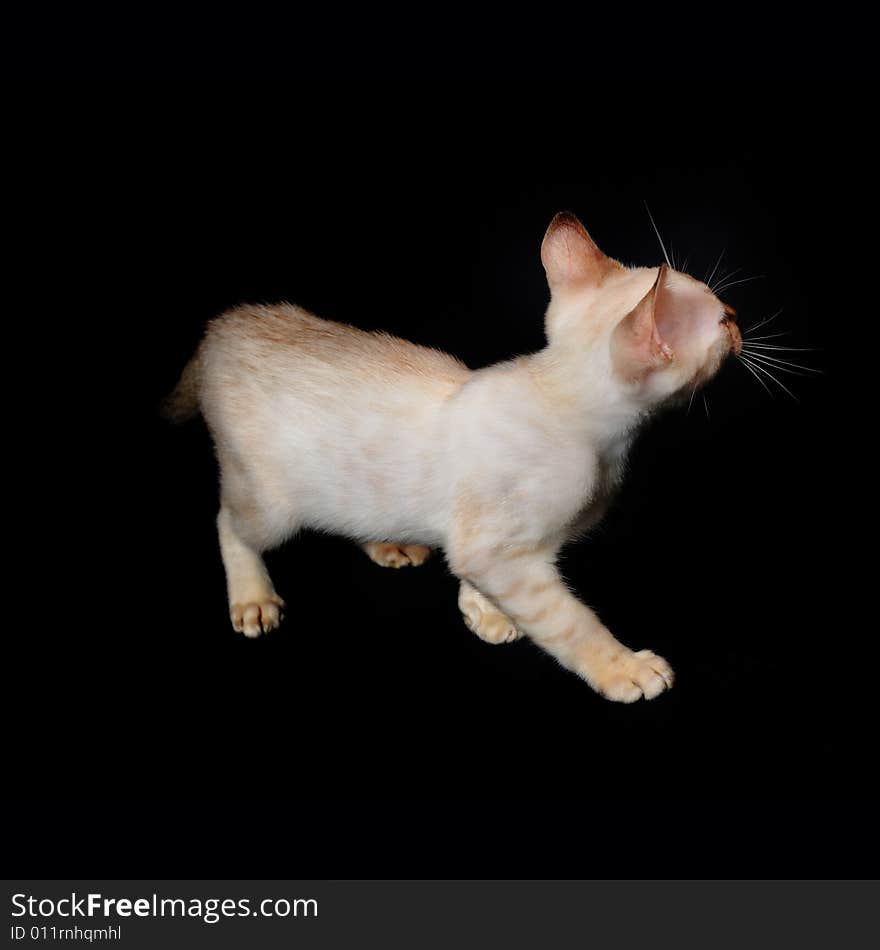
{"x": 637, "y": 345}
{"x": 570, "y": 255}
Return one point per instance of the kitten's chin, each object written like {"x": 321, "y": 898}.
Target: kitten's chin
{"x": 704, "y": 374}
{"x": 715, "y": 359}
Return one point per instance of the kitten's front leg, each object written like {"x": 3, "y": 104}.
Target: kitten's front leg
{"x": 525, "y": 585}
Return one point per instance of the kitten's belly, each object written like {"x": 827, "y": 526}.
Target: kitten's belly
{"x": 370, "y": 478}
{"x": 378, "y": 506}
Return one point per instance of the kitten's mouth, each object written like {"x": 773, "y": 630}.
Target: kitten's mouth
{"x": 736, "y": 340}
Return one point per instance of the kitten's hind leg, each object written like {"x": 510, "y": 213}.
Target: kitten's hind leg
{"x": 397, "y": 555}
{"x": 484, "y": 618}
{"x": 254, "y": 607}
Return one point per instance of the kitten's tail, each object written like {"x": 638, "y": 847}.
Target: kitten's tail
{"x": 182, "y": 403}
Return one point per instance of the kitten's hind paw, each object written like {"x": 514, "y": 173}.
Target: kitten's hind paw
{"x": 397, "y": 555}
{"x": 254, "y": 618}
{"x": 634, "y": 675}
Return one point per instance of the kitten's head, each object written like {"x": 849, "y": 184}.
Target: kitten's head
{"x": 654, "y": 333}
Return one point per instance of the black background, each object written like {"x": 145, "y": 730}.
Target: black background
{"x": 373, "y": 735}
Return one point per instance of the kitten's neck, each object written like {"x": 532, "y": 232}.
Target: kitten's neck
{"x": 585, "y": 397}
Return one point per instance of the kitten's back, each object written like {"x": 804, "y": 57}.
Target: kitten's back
{"x": 283, "y": 338}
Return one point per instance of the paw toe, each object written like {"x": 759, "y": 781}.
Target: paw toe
{"x": 621, "y": 689}
{"x": 397, "y": 555}
{"x": 651, "y": 685}
{"x": 416, "y": 554}
{"x": 251, "y": 626}
{"x": 658, "y": 665}
{"x": 489, "y": 625}
{"x": 253, "y": 619}
{"x": 631, "y": 676}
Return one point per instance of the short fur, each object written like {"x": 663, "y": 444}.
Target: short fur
{"x": 404, "y": 449}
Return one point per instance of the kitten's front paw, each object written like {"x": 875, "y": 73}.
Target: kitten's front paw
{"x": 487, "y": 622}
{"x": 252, "y": 619}
{"x": 630, "y": 676}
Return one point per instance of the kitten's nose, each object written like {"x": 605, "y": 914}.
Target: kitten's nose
{"x": 736, "y": 340}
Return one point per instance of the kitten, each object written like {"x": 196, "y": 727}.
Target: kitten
{"x": 405, "y": 449}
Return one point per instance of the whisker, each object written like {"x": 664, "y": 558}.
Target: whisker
{"x": 769, "y": 336}
{"x": 691, "y": 401}
{"x": 726, "y": 276}
{"x": 782, "y": 369}
{"x": 771, "y": 357}
{"x": 733, "y": 283}
{"x": 789, "y": 349}
{"x": 706, "y": 404}
{"x": 660, "y": 239}
{"x": 756, "y": 326}
{"x": 761, "y": 381}
{"x": 708, "y": 280}
{"x": 780, "y": 364}
{"x": 775, "y": 380}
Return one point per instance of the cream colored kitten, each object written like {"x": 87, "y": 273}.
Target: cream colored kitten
{"x": 404, "y": 449}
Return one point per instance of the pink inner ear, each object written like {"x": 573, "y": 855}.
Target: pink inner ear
{"x": 685, "y": 313}
{"x": 639, "y": 346}
{"x": 570, "y": 256}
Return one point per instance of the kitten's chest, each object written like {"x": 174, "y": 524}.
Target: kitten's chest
{"x": 608, "y": 470}
{"x": 575, "y": 495}
{"x": 610, "y": 465}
